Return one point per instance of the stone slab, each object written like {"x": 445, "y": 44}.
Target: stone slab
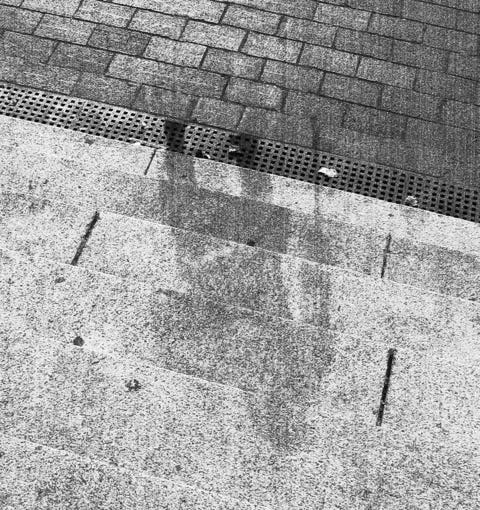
{"x": 36, "y": 476}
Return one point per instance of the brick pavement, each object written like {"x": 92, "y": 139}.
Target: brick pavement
{"x": 389, "y": 81}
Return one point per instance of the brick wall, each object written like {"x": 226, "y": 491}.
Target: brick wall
{"x": 389, "y": 81}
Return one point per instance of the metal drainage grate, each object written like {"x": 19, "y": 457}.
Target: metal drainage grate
{"x": 287, "y": 160}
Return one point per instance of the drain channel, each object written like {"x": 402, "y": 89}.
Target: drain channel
{"x": 382, "y": 182}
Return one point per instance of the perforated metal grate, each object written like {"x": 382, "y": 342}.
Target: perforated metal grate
{"x": 385, "y": 183}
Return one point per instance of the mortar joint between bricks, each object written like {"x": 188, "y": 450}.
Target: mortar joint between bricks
{"x": 224, "y": 13}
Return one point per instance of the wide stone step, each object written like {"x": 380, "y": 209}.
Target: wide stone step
{"x": 36, "y": 476}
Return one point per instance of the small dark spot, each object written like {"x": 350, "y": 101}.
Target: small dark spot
{"x": 251, "y": 242}
{"x": 60, "y": 279}
{"x": 178, "y": 467}
{"x": 78, "y": 341}
{"x": 10, "y": 281}
{"x": 89, "y": 140}
{"x": 133, "y": 385}
{"x": 30, "y": 186}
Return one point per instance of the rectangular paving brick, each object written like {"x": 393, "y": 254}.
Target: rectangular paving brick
{"x": 299, "y": 8}
{"x": 253, "y": 93}
{"x": 104, "y": 89}
{"x": 466, "y": 66}
{"x": 158, "y": 23}
{"x": 207, "y": 10}
{"x": 62, "y": 8}
{"x": 55, "y": 79}
{"x": 329, "y": 111}
{"x": 462, "y": 115}
{"x": 292, "y": 76}
{"x": 419, "y": 55}
{"x": 81, "y": 58}
{"x": 351, "y": 89}
{"x": 363, "y": 43}
{"x": 164, "y": 102}
{"x": 277, "y": 126}
{"x": 396, "y": 28}
{"x": 429, "y": 13}
{"x": 65, "y": 29}
{"x": 119, "y": 39}
{"x": 375, "y": 122}
{"x": 18, "y": 20}
{"x": 178, "y": 79}
{"x": 308, "y": 31}
{"x": 342, "y": 16}
{"x": 30, "y": 48}
{"x": 9, "y": 67}
{"x": 329, "y": 59}
{"x": 251, "y": 19}
{"x": 218, "y": 36}
{"x": 410, "y": 103}
{"x": 261, "y": 45}
{"x": 468, "y": 22}
{"x": 446, "y": 86}
{"x": 392, "y": 7}
{"x": 15, "y": 3}
{"x": 386, "y": 72}
{"x": 454, "y": 40}
{"x": 175, "y": 52}
{"x": 217, "y": 113}
{"x": 232, "y": 63}
{"x": 105, "y": 12}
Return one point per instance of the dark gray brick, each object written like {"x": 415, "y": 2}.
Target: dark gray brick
{"x": 175, "y": 52}
{"x": 261, "y": 45}
{"x": 392, "y": 7}
{"x": 428, "y": 13}
{"x": 251, "y": 19}
{"x": 60, "y": 7}
{"x": 396, "y": 28}
{"x": 330, "y": 111}
{"x": 277, "y": 126}
{"x": 446, "y": 86}
{"x": 119, "y": 39}
{"x": 9, "y": 67}
{"x": 351, "y": 89}
{"x": 363, "y": 43}
{"x": 65, "y": 29}
{"x": 81, "y": 58}
{"x": 299, "y": 8}
{"x": 217, "y": 113}
{"x": 206, "y": 10}
{"x": 468, "y": 22}
{"x": 462, "y": 115}
{"x": 410, "y": 103}
{"x": 158, "y": 23}
{"x": 375, "y": 122}
{"x": 218, "y": 36}
{"x": 107, "y": 90}
{"x": 45, "y": 77}
{"x": 180, "y": 79}
{"x": 252, "y": 93}
{"x": 328, "y": 59}
{"x": 18, "y": 20}
{"x": 464, "y": 65}
{"x": 454, "y": 40}
{"x": 292, "y": 76}
{"x": 419, "y": 55}
{"x": 308, "y": 31}
{"x": 386, "y": 72}
{"x": 105, "y": 12}
{"x": 233, "y": 63}
{"x": 342, "y": 16}
{"x": 164, "y": 102}
{"x": 30, "y": 48}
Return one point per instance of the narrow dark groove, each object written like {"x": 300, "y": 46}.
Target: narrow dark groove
{"x": 85, "y": 238}
{"x": 386, "y": 251}
{"x": 386, "y": 384}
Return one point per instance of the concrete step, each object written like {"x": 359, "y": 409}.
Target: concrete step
{"x": 36, "y": 476}
{"x": 326, "y": 452}
{"x": 61, "y": 169}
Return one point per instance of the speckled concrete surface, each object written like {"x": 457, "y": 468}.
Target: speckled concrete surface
{"x": 35, "y": 477}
